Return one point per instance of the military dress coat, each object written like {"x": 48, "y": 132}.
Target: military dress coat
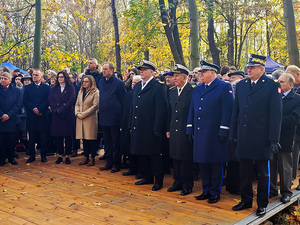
{"x": 10, "y": 104}
{"x": 148, "y": 116}
{"x": 256, "y": 118}
{"x": 36, "y": 97}
{"x": 180, "y": 145}
{"x": 290, "y": 120}
{"x": 209, "y": 117}
{"x": 87, "y": 127}
{"x": 62, "y": 107}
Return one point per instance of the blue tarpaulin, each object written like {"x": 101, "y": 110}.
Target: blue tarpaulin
{"x": 12, "y": 67}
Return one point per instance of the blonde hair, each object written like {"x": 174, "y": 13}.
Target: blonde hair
{"x": 92, "y": 86}
{"x": 294, "y": 70}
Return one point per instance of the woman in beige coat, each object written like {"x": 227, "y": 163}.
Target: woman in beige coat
{"x": 86, "y": 112}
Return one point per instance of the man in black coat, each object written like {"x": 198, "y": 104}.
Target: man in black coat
{"x": 112, "y": 91}
{"x": 35, "y": 100}
{"x": 148, "y": 117}
{"x": 181, "y": 146}
{"x": 282, "y": 161}
{"x": 255, "y": 124}
{"x": 10, "y": 104}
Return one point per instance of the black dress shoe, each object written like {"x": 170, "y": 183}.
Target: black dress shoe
{"x": 43, "y": 159}
{"x": 186, "y": 192}
{"x": 203, "y": 196}
{"x": 285, "y": 199}
{"x": 261, "y": 211}
{"x": 106, "y": 167}
{"x": 174, "y": 188}
{"x": 12, "y": 161}
{"x": 114, "y": 170}
{"x": 128, "y": 173}
{"x": 156, "y": 187}
{"x": 67, "y": 161}
{"x": 213, "y": 199}
{"x": 2, "y": 162}
{"x": 31, "y": 159}
{"x": 102, "y": 157}
{"x": 59, "y": 160}
{"x": 241, "y": 206}
{"x": 143, "y": 181}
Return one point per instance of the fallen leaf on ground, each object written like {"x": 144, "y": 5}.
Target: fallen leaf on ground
{"x": 91, "y": 185}
{"x": 97, "y": 203}
{"x": 179, "y": 201}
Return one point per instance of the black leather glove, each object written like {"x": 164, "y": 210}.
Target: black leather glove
{"x": 191, "y": 138}
{"x": 156, "y": 133}
{"x": 223, "y": 139}
{"x": 275, "y": 146}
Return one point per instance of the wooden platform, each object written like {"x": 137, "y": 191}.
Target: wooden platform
{"x": 46, "y": 193}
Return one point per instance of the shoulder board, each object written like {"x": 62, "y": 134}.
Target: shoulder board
{"x": 161, "y": 82}
{"x": 171, "y": 87}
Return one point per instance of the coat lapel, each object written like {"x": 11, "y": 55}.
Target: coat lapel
{"x": 289, "y": 96}
{"x": 212, "y": 86}
{"x": 260, "y": 83}
{"x": 148, "y": 86}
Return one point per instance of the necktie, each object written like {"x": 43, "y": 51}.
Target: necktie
{"x": 179, "y": 91}
{"x": 283, "y": 95}
{"x": 253, "y": 84}
{"x": 206, "y": 86}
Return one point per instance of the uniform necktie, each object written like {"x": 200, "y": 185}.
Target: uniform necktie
{"x": 206, "y": 86}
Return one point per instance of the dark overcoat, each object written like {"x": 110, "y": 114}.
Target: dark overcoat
{"x": 62, "y": 107}
{"x": 181, "y": 148}
{"x": 209, "y": 118}
{"x": 148, "y": 115}
{"x": 256, "y": 118}
{"x": 112, "y": 93}
{"x": 36, "y": 98}
{"x": 290, "y": 120}
{"x": 10, "y": 104}
{"x": 125, "y": 134}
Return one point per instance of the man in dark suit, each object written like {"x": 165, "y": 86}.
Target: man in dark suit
{"x": 282, "y": 161}
{"x": 181, "y": 146}
{"x": 255, "y": 124}
{"x": 10, "y": 104}
{"x": 35, "y": 100}
{"x": 148, "y": 117}
{"x": 112, "y": 91}
{"x": 209, "y": 120}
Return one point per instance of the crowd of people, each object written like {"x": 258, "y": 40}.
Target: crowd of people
{"x": 220, "y": 122}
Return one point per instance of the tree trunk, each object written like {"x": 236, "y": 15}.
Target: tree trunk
{"x": 194, "y": 34}
{"x": 117, "y": 39}
{"x": 291, "y": 35}
{"x": 230, "y": 38}
{"x": 147, "y": 55}
{"x": 37, "y": 35}
{"x": 175, "y": 45}
{"x": 215, "y": 52}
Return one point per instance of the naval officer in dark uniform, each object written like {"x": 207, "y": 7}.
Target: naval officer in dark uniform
{"x": 209, "y": 120}
{"x": 181, "y": 146}
{"x": 148, "y": 118}
{"x": 255, "y": 124}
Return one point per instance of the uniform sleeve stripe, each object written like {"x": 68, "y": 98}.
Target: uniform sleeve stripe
{"x": 189, "y": 125}
{"x": 224, "y": 127}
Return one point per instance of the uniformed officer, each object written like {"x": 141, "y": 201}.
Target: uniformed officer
{"x": 181, "y": 147}
{"x": 209, "y": 120}
{"x": 149, "y": 110}
{"x": 255, "y": 123}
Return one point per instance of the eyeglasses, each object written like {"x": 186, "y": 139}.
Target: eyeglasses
{"x": 61, "y": 77}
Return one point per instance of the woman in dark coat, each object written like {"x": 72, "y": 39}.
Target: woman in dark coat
{"x": 61, "y": 100}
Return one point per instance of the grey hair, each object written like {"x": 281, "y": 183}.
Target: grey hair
{"x": 290, "y": 77}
